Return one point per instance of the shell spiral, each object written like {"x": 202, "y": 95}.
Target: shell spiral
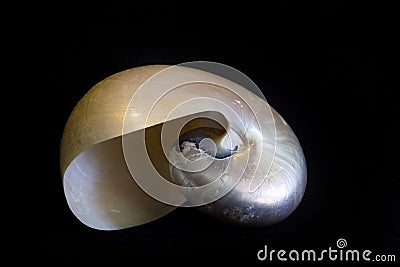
{"x": 149, "y": 139}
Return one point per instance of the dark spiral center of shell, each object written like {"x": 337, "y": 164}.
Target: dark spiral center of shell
{"x": 206, "y": 139}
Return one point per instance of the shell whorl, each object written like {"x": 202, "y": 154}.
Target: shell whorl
{"x": 124, "y": 161}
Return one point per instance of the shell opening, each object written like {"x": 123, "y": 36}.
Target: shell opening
{"x": 205, "y": 140}
{"x": 200, "y": 134}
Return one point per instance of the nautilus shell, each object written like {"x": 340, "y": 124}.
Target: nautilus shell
{"x": 147, "y": 140}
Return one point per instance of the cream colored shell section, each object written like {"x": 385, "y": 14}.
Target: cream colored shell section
{"x": 98, "y": 186}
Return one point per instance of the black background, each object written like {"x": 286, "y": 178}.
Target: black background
{"x": 328, "y": 69}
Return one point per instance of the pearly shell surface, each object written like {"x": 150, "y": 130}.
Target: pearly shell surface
{"x": 105, "y": 163}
